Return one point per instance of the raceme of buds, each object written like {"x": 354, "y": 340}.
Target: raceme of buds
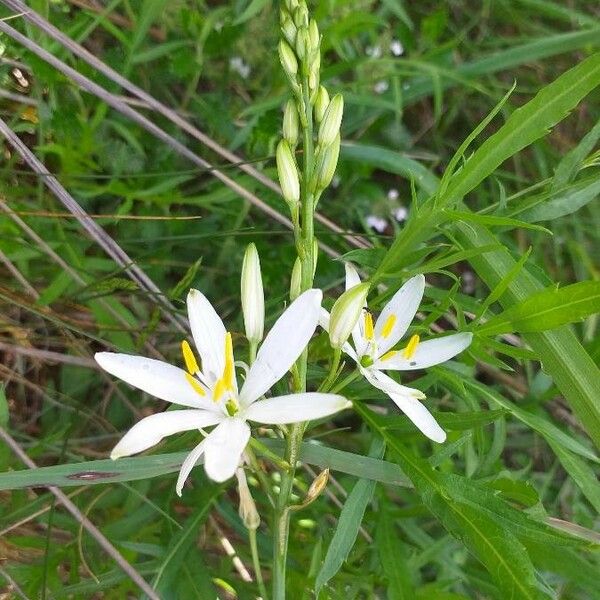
{"x": 321, "y": 104}
{"x": 326, "y": 162}
{"x": 290, "y": 124}
{"x": 288, "y": 59}
{"x": 253, "y": 299}
{"x": 330, "y": 125}
{"x": 296, "y": 281}
{"x": 288, "y": 173}
{"x": 345, "y": 314}
{"x": 247, "y": 510}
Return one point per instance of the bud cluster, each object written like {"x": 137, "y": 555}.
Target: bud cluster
{"x": 299, "y": 53}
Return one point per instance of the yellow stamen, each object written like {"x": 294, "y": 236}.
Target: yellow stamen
{"x": 388, "y": 326}
{"x": 218, "y": 390}
{"x": 194, "y": 383}
{"x": 188, "y": 356}
{"x": 411, "y": 347}
{"x": 388, "y": 355}
{"x": 368, "y": 326}
{"x": 228, "y": 371}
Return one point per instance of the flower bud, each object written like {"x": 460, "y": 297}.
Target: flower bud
{"x": 330, "y": 125}
{"x": 321, "y": 104}
{"x": 301, "y": 15}
{"x": 326, "y": 162}
{"x": 253, "y": 299}
{"x": 302, "y": 43}
{"x": 290, "y": 124}
{"x": 291, "y": 4}
{"x": 288, "y": 173}
{"x": 288, "y": 59}
{"x": 313, "y": 34}
{"x": 247, "y": 510}
{"x": 289, "y": 30}
{"x": 345, "y": 314}
{"x": 296, "y": 281}
{"x": 316, "y": 487}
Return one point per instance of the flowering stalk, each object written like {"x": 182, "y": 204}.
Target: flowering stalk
{"x": 299, "y": 51}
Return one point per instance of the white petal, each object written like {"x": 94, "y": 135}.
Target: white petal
{"x": 428, "y": 353}
{"x": 296, "y": 408}
{"x": 417, "y": 412}
{"x": 209, "y": 334}
{"x": 283, "y": 345}
{"x": 386, "y": 384}
{"x": 352, "y": 276}
{"x": 188, "y": 464}
{"x": 224, "y": 447}
{"x": 151, "y": 430}
{"x": 155, "y": 377}
{"x": 402, "y": 308}
{"x": 407, "y": 400}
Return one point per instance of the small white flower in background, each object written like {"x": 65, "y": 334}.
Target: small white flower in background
{"x": 211, "y": 393}
{"x": 393, "y": 194}
{"x": 468, "y": 282}
{"x": 237, "y": 64}
{"x": 377, "y": 223}
{"x": 373, "y": 343}
{"x": 397, "y": 48}
{"x": 401, "y": 214}
{"x": 381, "y": 87}
{"x": 335, "y": 182}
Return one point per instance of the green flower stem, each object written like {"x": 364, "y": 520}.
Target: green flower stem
{"x": 333, "y": 371}
{"x": 256, "y": 564}
{"x": 304, "y": 235}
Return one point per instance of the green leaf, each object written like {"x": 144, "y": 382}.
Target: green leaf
{"x": 348, "y": 525}
{"x": 253, "y": 8}
{"x": 3, "y": 407}
{"x": 527, "y": 124}
{"x": 547, "y": 310}
{"x": 492, "y": 220}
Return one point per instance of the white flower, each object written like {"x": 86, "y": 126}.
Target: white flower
{"x": 373, "y": 343}
{"x": 397, "y": 48}
{"x": 401, "y": 214}
{"x": 379, "y": 224}
{"x": 211, "y": 393}
{"x": 381, "y": 86}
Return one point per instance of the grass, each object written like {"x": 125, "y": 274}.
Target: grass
{"x": 518, "y": 474}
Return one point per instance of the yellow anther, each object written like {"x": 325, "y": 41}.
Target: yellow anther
{"x": 188, "y": 356}
{"x": 388, "y": 355}
{"x": 194, "y": 383}
{"x": 388, "y": 326}
{"x": 368, "y": 326}
{"x": 411, "y": 347}
{"x": 218, "y": 390}
{"x": 228, "y": 371}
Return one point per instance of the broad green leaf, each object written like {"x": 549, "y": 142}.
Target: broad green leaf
{"x": 143, "y": 467}
{"x": 492, "y": 220}
{"x": 527, "y": 124}
{"x": 548, "y": 309}
{"x": 253, "y": 8}
{"x": 348, "y": 525}
{"x": 562, "y": 356}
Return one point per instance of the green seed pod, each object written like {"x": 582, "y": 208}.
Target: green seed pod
{"x": 321, "y": 103}
{"x": 330, "y": 125}
{"x": 288, "y": 173}
{"x": 290, "y": 124}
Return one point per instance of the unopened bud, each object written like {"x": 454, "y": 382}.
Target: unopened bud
{"x": 296, "y": 281}
{"x": 288, "y": 59}
{"x": 301, "y": 15}
{"x": 345, "y": 314}
{"x": 313, "y": 34}
{"x": 321, "y": 104}
{"x": 326, "y": 160}
{"x": 291, "y": 5}
{"x": 247, "y": 510}
{"x": 302, "y": 43}
{"x": 330, "y": 125}
{"x": 289, "y": 30}
{"x": 313, "y": 75}
{"x": 316, "y": 487}
{"x": 253, "y": 300}
{"x": 288, "y": 173}
{"x": 290, "y": 124}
